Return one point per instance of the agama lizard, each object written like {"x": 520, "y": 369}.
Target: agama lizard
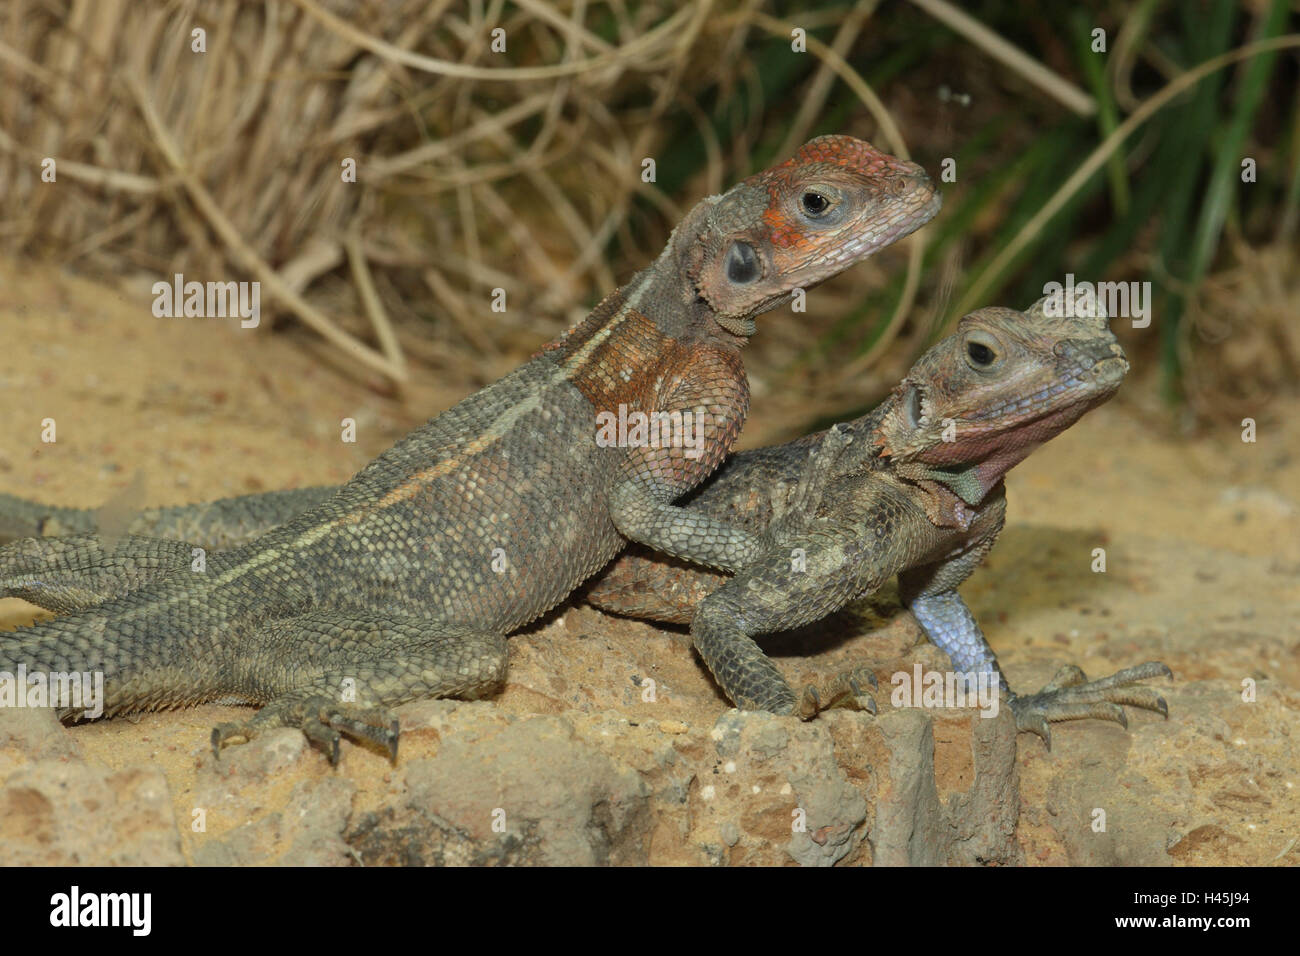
{"x": 404, "y": 582}
{"x": 914, "y": 489}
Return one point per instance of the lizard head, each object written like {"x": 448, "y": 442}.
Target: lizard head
{"x": 836, "y": 201}
{"x": 981, "y": 400}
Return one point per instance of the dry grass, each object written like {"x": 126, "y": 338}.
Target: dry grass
{"x": 1241, "y": 343}
{"x": 476, "y": 170}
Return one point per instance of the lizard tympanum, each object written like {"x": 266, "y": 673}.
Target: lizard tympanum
{"x": 404, "y": 582}
{"x": 913, "y": 489}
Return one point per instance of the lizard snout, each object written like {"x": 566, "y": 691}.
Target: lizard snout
{"x": 1099, "y": 359}
{"x": 914, "y": 181}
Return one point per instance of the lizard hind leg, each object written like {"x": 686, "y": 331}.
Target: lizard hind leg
{"x": 1071, "y": 696}
{"x": 333, "y": 674}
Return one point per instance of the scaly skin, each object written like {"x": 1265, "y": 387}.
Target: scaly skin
{"x": 894, "y": 498}
{"x": 403, "y": 583}
{"x": 214, "y": 525}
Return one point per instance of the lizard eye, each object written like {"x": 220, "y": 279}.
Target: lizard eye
{"x": 982, "y": 351}
{"x": 980, "y": 354}
{"x": 814, "y": 204}
{"x": 743, "y": 264}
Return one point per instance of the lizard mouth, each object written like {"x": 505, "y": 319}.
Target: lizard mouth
{"x": 912, "y": 407}
{"x": 869, "y": 241}
{"x": 1099, "y": 380}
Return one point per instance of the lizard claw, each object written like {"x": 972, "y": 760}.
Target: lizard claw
{"x": 1071, "y": 696}
{"x": 322, "y": 720}
{"x": 792, "y": 512}
{"x": 842, "y": 690}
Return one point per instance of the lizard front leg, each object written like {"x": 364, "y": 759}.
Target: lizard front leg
{"x": 949, "y": 624}
{"x": 805, "y": 567}
{"x": 713, "y": 398}
{"x": 930, "y": 592}
{"x": 697, "y": 535}
{"x": 777, "y": 502}
{"x": 812, "y": 573}
{"x": 815, "y": 574}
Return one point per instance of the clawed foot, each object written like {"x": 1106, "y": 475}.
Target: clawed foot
{"x": 792, "y": 513}
{"x": 322, "y": 720}
{"x": 842, "y": 690}
{"x": 1071, "y": 696}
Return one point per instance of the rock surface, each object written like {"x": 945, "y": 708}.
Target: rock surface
{"x": 598, "y": 781}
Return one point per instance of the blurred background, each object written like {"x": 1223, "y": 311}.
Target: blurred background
{"x": 1103, "y": 139}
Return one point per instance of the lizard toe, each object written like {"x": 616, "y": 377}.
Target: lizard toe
{"x": 1068, "y": 676}
{"x": 323, "y": 738}
{"x": 1031, "y": 721}
{"x": 323, "y": 720}
{"x": 809, "y": 704}
{"x": 1071, "y": 696}
{"x": 843, "y": 690}
{"x": 376, "y": 726}
{"x": 229, "y": 731}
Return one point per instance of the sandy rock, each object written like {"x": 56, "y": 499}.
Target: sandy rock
{"x": 308, "y": 831}
{"x": 501, "y": 789}
{"x": 65, "y": 813}
{"x": 34, "y": 733}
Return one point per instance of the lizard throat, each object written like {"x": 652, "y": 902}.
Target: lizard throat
{"x": 736, "y": 326}
{"x": 964, "y": 481}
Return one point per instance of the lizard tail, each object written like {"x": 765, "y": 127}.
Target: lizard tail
{"x": 110, "y": 659}
{"x": 20, "y": 518}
